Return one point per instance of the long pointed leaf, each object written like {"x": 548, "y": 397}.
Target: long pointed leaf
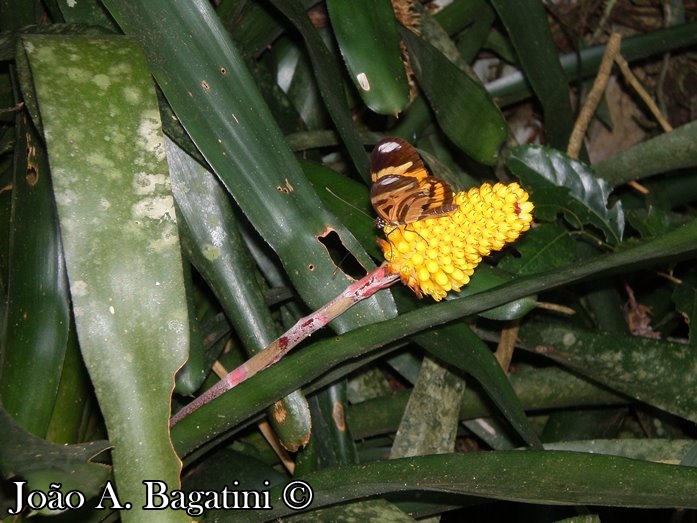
{"x": 117, "y": 219}
{"x": 37, "y": 299}
{"x": 528, "y": 28}
{"x": 624, "y": 363}
{"x": 537, "y": 476}
{"x": 366, "y": 31}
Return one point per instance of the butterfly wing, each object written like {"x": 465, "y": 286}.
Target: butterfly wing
{"x": 394, "y": 156}
{"x": 402, "y": 190}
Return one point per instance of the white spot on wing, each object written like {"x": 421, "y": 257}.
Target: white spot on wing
{"x": 388, "y": 147}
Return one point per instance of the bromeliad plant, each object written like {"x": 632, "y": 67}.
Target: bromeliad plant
{"x": 137, "y": 266}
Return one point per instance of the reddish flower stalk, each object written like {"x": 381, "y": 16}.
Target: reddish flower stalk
{"x": 364, "y": 288}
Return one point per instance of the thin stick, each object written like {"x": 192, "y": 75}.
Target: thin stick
{"x": 594, "y": 96}
{"x": 636, "y": 85}
{"x": 506, "y": 346}
{"x": 364, "y": 288}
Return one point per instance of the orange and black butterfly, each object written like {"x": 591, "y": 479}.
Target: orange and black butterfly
{"x": 403, "y": 191}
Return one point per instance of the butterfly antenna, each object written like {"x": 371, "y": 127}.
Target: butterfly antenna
{"x": 348, "y": 203}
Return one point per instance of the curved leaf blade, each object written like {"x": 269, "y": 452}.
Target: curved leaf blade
{"x": 554, "y": 177}
{"x": 69, "y": 465}
{"x": 366, "y": 31}
{"x": 531, "y": 36}
{"x": 115, "y": 207}
{"x": 38, "y": 313}
{"x": 624, "y": 363}
{"x": 533, "y": 476}
{"x": 212, "y": 240}
{"x": 462, "y": 106}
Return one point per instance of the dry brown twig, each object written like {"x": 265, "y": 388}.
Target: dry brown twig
{"x": 611, "y": 56}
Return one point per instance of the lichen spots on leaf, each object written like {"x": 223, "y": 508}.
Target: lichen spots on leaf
{"x": 211, "y": 252}
{"x": 155, "y": 208}
{"x": 131, "y": 95}
{"x": 150, "y": 183}
{"x": 150, "y": 134}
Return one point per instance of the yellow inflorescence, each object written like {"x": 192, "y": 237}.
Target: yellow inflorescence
{"x": 436, "y": 255}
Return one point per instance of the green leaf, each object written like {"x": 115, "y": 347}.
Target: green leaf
{"x": 537, "y": 389}
{"x": 655, "y": 449}
{"x": 559, "y": 183}
{"x": 624, "y": 363}
{"x": 584, "y": 63}
{"x": 329, "y": 78}
{"x": 543, "y": 248}
{"x": 528, "y": 28}
{"x": 366, "y": 31}
{"x": 116, "y": 212}
{"x": 347, "y": 199}
{"x": 215, "y": 246}
{"x": 295, "y": 77}
{"x": 666, "y": 152}
{"x": 458, "y": 346}
{"x": 333, "y": 358}
{"x": 653, "y": 221}
{"x": 86, "y": 12}
{"x": 462, "y": 107}
{"x": 486, "y": 277}
{"x": 533, "y": 476}
{"x": 38, "y": 308}
{"x": 69, "y": 465}
{"x": 216, "y": 99}
{"x": 423, "y": 429}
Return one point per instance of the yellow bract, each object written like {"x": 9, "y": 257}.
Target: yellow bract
{"x": 437, "y": 255}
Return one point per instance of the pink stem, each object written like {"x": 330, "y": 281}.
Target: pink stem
{"x": 354, "y": 293}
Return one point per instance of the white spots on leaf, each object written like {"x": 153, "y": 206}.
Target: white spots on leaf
{"x": 104, "y": 204}
{"x": 147, "y": 183}
{"x": 121, "y": 69}
{"x": 79, "y": 288}
{"x": 66, "y": 197}
{"x": 131, "y": 95}
{"x": 78, "y": 74}
{"x": 71, "y": 3}
{"x": 175, "y": 326}
{"x": 363, "y": 81}
{"x": 99, "y": 161}
{"x": 568, "y": 339}
{"x": 102, "y": 81}
{"x": 112, "y": 311}
{"x": 155, "y": 208}
{"x": 210, "y": 252}
{"x": 150, "y": 134}
{"x": 167, "y": 240}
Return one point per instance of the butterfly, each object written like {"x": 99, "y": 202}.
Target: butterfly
{"x": 403, "y": 191}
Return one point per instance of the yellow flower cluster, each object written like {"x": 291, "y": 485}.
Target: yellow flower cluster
{"x": 436, "y": 255}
